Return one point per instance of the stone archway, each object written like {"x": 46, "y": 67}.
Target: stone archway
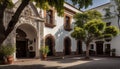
{"x": 67, "y": 46}
{"x": 50, "y": 42}
{"x": 26, "y": 37}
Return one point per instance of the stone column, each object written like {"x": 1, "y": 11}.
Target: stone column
{"x": 40, "y": 31}
{"x": 37, "y": 54}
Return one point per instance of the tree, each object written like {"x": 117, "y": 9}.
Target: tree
{"x": 92, "y": 28}
{"x": 43, "y": 4}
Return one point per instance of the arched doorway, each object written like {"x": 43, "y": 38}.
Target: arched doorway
{"x": 50, "y": 42}
{"x": 67, "y": 46}
{"x": 79, "y": 47}
{"x": 21, "y": 44}
{"x": 25, "y": 41}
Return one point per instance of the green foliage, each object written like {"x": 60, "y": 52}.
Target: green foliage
{"x": 93, "y": 14}
{"x": 9, "y": 3}
{"x": 113, "y": 30}
{"x": 95, "y": 25}
{"x": 89, "y": 26}
{"x": 92, "y": 27}
{"x": 7, "y": 50}
{"x": 82, "y": 18}
{"x": 82, "y": 3}
{"x": 78, "y": 33}
{"x": 57, "y": 4}
{"x": 44, "y": 50}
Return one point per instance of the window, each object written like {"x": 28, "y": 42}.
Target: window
{"x": 91, "y": 46}
{"x": 50, "y": 18}
{"x": 67, "y": 23}
{"x": 108, "y": 23}
{"x": 107, "y": 49}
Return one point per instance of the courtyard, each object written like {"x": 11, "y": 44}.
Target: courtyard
{"x": 65, "y": 63}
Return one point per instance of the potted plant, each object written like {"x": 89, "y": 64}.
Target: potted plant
{"x": 44, "y": 51}
{"x": 113, "y": 52}
{"x": 7, "y": 52}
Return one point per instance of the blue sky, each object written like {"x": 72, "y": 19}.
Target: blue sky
{"x": 97, "y": 3}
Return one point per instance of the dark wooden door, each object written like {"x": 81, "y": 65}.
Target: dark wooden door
{"x": 99, "y": 48}
{"x": 107, "y": 49}
{"x": 67, "y": 44}
{"x": 21, "y": 49}
{"x": 49, "y": 43}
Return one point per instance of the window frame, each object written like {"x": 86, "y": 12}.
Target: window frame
{"x": 68, "y": 24}
{"x": 52, "y": 21}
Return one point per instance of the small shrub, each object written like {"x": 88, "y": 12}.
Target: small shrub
{"x": 44, "y": 50}
{"x": 7, "y": 50}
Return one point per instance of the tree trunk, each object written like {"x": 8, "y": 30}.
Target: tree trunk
{"x": 2, "y": 28}
{"x": 14, "y": 20}
{"x": 87, "y": 51}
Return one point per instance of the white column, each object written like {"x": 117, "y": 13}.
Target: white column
{"x": 38, "y": 41}
{"x": 40, "y": 33}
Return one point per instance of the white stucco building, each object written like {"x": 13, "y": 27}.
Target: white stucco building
{"x": 37, "y": 27}
{"x": 111, "y": 19}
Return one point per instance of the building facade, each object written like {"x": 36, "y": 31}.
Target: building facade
{"x": 37, "y": 27}
{"x": 110, "y": 13}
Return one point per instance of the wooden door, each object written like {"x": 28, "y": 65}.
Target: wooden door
{"x": 21, "y": 49}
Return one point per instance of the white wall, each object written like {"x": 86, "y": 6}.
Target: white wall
{"x": 115, "y": 41}
{"x": 59, "y": 32}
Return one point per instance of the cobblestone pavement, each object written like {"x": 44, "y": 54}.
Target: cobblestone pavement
{"x": 66, "y": 63}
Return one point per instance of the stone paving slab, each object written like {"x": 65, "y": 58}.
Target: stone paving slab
{"x": 66, "y": 63}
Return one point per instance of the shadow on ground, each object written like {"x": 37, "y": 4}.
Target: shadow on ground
{"x": 99, "y": 63}
{"x": 106, "y": 63}
{"x": 27, "y": 67}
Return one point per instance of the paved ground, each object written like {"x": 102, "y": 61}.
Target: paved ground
{"x": 66, "y": 63}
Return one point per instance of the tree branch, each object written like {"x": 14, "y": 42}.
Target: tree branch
{"x": 15, "y": 17}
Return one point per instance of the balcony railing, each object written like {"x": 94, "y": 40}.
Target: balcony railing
{"x": 68, "y": 27}
{"x": 50, "y": 24}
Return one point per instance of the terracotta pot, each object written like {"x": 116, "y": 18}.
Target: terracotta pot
{"x": 10, "y": 59}
{"x": 44, "y": 57}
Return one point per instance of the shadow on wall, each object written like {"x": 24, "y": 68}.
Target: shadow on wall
{"x": 60, "y": 36}
{"x": 61, "y": 33}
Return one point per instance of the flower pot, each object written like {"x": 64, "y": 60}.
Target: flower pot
{"x": 44, "y": 57}
{"x": 10, "y": 59}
